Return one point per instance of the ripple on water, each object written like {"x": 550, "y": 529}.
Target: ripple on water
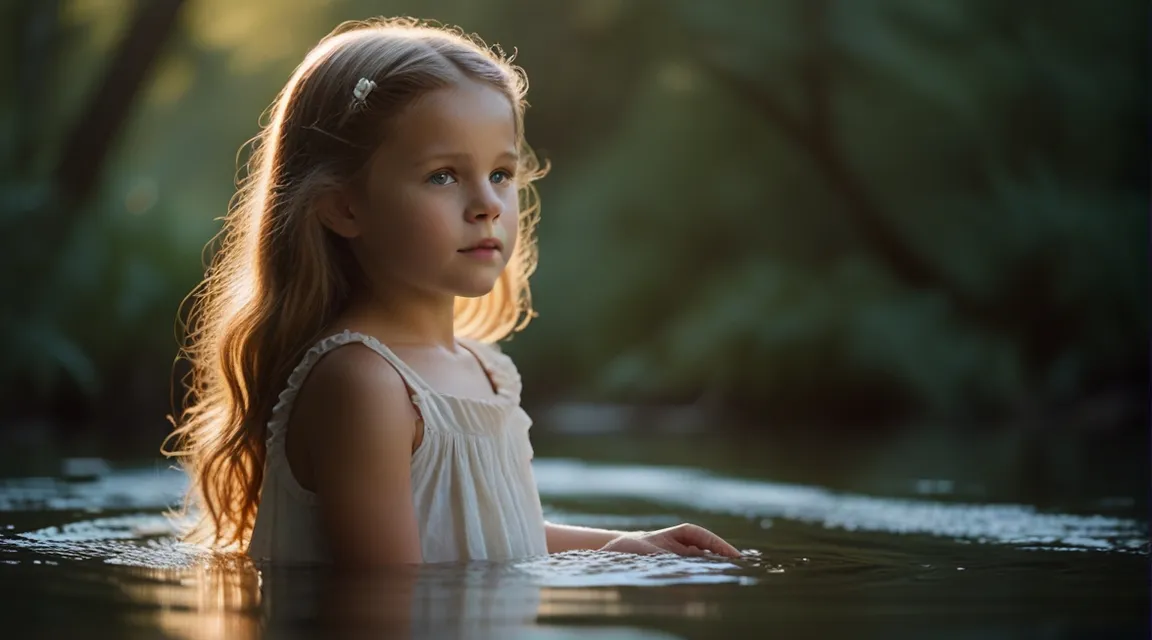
{"x": 148, "y": 541}
{"x": 145, "y": 538}
{"x": 1005, "y": 524}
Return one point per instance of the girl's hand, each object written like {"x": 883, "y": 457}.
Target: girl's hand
{"x": 682, "y": 539}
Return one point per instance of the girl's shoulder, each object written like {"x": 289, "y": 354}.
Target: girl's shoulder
{"x": 346, "y": 363}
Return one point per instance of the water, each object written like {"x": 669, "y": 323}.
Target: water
{"x": 97, "y": 559}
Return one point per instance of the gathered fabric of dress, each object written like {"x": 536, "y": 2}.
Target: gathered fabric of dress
{"x": 472, "y": 482}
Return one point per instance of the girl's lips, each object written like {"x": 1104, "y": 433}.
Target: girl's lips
{"x": 486, "y": 243}
{"x": 482, "y": 253}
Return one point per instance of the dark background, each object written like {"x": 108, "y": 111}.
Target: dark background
{"x": 875, "y": 220}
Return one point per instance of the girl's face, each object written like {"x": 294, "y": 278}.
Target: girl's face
{"x": 443, "y": 184}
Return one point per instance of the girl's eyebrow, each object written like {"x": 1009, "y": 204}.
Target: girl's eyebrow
{"x": 510, "y": 155}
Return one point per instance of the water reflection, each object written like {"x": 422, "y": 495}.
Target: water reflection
{"x": 186, "y": 592}
{"x": 227, "y": 596}
{"x": 218, "y": 597}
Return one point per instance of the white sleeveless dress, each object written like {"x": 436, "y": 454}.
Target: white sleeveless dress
{"x": 472, "y": 482}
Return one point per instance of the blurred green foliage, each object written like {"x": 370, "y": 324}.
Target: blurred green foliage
{"x": 812, "y": 209}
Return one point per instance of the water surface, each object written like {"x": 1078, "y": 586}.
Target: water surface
{"x": 98, "y": 558}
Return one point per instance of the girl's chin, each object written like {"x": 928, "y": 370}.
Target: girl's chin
{"x": 475, "y": 289}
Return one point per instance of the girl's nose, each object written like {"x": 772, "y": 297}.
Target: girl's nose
{"x": 485, "y": 205}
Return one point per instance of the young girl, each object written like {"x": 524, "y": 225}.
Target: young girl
{"x": 346, "y": 401}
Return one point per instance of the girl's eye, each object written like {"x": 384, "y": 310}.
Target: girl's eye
{"x": 441, "y": 178}
{"x": 501, "y": 176}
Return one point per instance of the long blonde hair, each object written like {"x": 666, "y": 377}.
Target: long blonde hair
{"x": 279, "y": 277}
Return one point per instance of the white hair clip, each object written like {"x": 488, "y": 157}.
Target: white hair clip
{"x": 363, "y": 88}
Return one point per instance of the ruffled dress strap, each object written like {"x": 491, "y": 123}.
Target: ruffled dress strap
{"x": 499, "y": 366}
{"x": 283, "y": 409}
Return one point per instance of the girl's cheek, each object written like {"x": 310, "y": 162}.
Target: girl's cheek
{"x": 509, "y": 228}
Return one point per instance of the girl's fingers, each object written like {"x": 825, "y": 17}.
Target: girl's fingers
{"x": 684, "y": 540}
{"x": 690, "y": 535}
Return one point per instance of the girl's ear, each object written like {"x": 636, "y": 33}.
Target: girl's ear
{"x": 337, "y": 212}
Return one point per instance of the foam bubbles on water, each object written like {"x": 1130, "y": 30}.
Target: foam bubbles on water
{"x": 142, "y": 540}
{"x": 605, "y": 569}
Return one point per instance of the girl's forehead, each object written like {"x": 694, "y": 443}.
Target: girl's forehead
{"x": 464, "y": 116}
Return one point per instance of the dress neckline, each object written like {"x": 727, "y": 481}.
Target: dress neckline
{"x": 495, "y": 375}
